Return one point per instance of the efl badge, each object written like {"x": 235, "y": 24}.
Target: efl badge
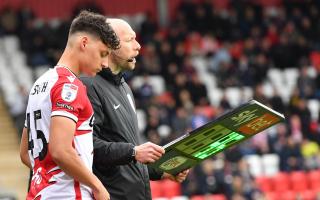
{"x": 173, "y": 163}
{"x": 69, "y": 92}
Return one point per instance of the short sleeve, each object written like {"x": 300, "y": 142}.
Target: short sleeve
{"x": 67, "y": 100}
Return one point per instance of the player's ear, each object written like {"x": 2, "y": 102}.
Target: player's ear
{"x": 84, "y": 42}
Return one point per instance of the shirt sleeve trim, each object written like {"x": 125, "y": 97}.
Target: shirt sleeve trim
{"x": 65, "y": 114}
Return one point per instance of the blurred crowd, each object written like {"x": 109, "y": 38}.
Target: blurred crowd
{"x": 239, "y": 45}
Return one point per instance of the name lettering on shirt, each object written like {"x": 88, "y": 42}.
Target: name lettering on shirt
{"x": 39, "y": 88}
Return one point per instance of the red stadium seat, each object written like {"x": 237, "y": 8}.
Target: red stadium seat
{"x": 156, "y": 190}
{"x": 308, "y": 195}
{"x": 287, "y": 195}
{"x": 197, "y": 197}
{"x": 264, "y": 183}
{"x": 281, "y": 182}
{"x": 314, "y": 179}
{"x": 271, "y": 196}
{"x": 170, "y": 188}
{"x": 315, "y": 59}
{"x": 299, "y": 181}
{"x": 209, "y": 197}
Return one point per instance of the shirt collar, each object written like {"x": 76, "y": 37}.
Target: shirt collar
{"x": 107, "y": 74}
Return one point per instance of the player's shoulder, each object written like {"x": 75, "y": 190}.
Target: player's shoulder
{"x": 68, "y": 85}
{"x": 65, "y": 76}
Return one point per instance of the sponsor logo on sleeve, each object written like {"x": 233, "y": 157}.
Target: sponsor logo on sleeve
{"x": 69, "y": 92}
{"x": 62, "y": 105}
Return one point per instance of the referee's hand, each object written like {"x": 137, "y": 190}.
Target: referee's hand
{"x": 177, "y": 178}
{"x": 148, "y": 152}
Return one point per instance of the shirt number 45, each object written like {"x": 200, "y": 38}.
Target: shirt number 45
{"x": 39, "y": 134}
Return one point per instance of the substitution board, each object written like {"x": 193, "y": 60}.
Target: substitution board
{"x": 227, "y": 130}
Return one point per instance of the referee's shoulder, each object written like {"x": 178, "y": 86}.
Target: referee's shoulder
{"x": 87, "y": 81}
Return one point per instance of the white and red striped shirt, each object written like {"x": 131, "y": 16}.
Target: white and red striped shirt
{"x": 58, "y": 92}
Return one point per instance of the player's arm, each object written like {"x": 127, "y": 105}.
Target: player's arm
{"x": 24, "y": 156}
{"x": 61, "y": 137}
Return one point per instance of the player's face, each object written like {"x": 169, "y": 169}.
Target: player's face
{"x": 129, "y": 50}
{"x": 96, "y": 57}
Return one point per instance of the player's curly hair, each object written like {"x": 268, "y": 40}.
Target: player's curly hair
{"x": 97, "y": 25}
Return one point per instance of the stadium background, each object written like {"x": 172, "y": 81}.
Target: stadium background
{"x": 199, "y": 58}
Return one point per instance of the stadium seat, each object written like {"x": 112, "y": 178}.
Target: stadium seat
{"x": 314, "y": 105}
{"x": 268, "y": 89}
{"x": 209, "y": 197}
{"x": 142, "y": 123}
{"x": 247, "y": 93}
{"x": 156, "y": 190}
{"x": 291, "y": 75}
{"x": 255, "y": 165}
{"x": 157, "y": 83}
{"x": 39, "y": 70}
{"x": 233, "y": 95}
{"x": 200, "y": 65}
{"x": 281, "y": 82}
{"x": 287, "y": 195}
{"x": 198, "y": 197}
{"x": 275, "y": 76}
{"x": 270, "y": 163}
{"x": 271, "y": 196}
{"x": 170, "y": 188}
{"x": 11, "y": 44}
{"x": 315, "y": 59}
{"x": 281, "y": 182}
{"x": 215, "y": 96}
{"x": 308, "y": 195}
{"x": 180, "y": 198}
{"x": 24, "y": 76}
{"x": 264, "y": 183}
{"x": 298, "y": 181}
{"x": 209, "y": 80}
{"x": 314, "y": 180}
{"x": 312, "y": 72}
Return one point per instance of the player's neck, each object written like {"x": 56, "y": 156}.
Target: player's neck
{"x": 66, "y": 61}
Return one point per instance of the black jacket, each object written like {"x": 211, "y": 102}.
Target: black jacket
{"x": 115, "y": 135}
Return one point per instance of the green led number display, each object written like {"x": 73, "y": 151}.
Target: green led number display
{"x": 209, "y": 141}
{"x": 217, "y": 146}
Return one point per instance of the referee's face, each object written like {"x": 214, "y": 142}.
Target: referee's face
{"x": 125, "y": 57}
